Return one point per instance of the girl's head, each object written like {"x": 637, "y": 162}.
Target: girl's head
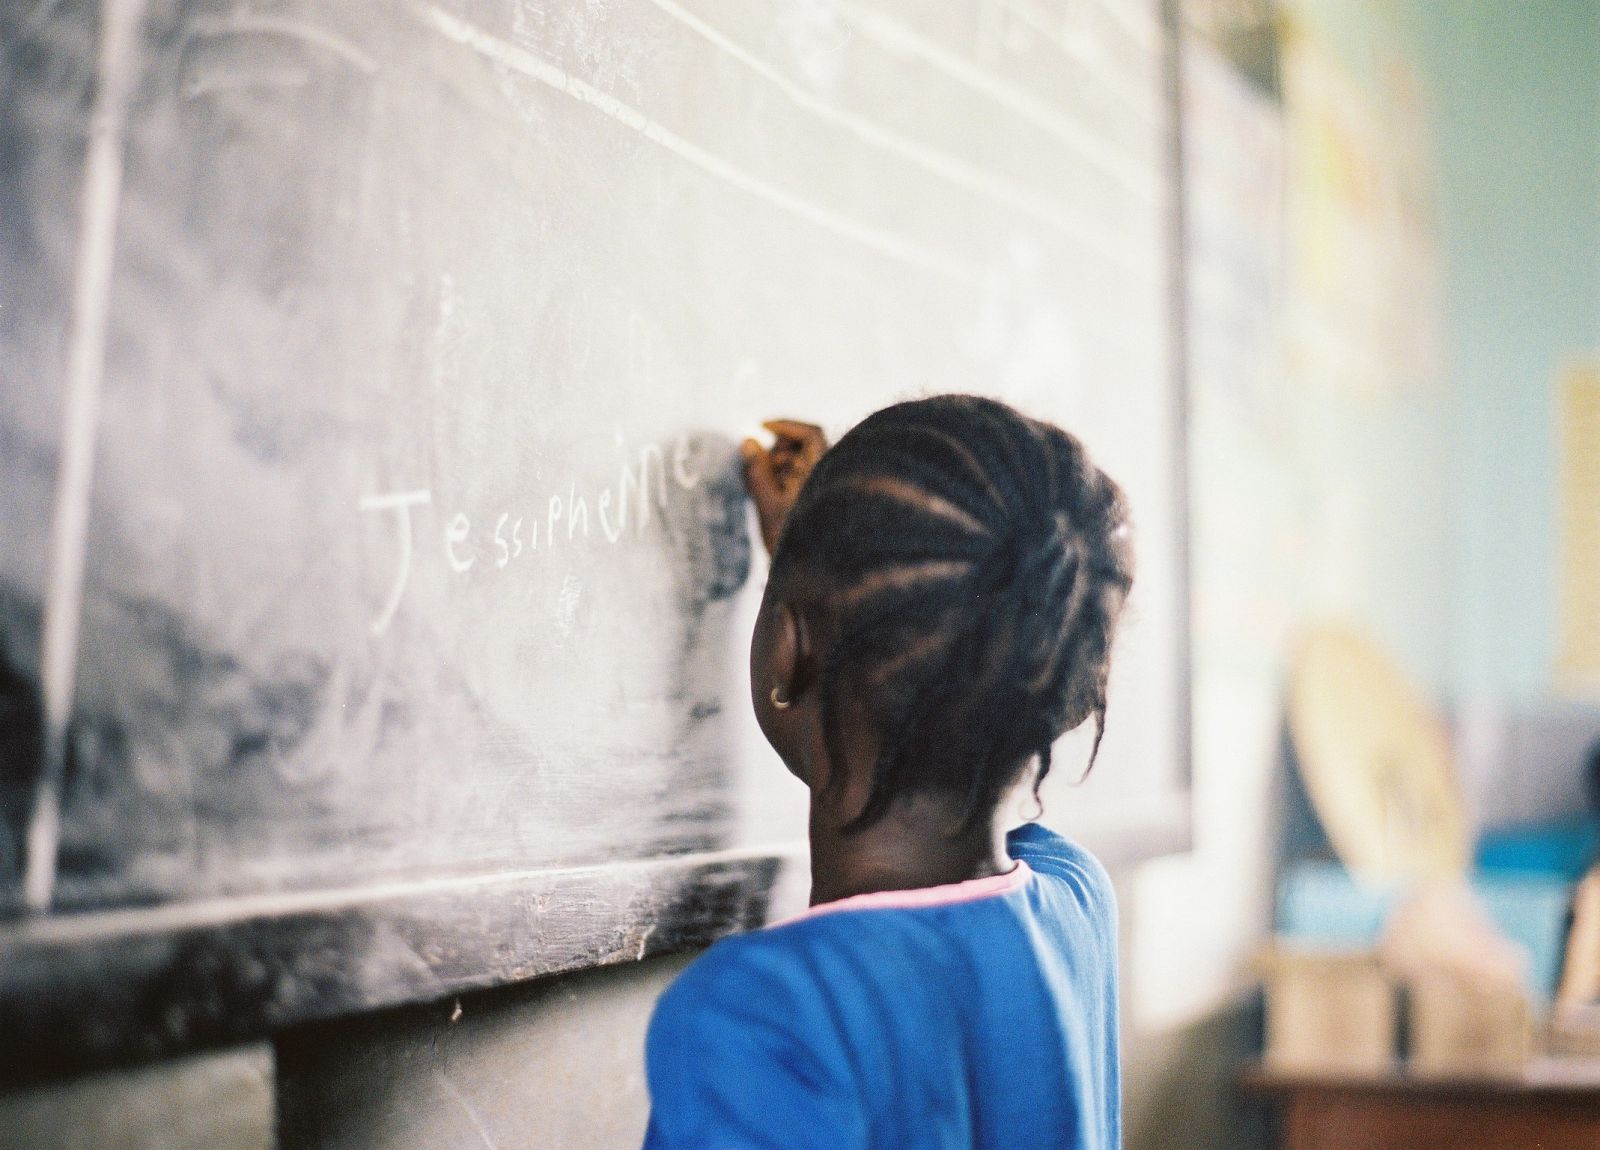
{"x": 941, "y": 605}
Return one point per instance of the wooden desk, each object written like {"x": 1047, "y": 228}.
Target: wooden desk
{"x": 1554, "y": 1106}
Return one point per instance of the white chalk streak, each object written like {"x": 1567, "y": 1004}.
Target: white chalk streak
{"x": 466, "y": 1105}
{"x": 898, "y": 39}
{"x": 244, "y": 82}
{"x": 395, "y": 499}
{"x": 526, "y": 64}
{"x": 401, "y": 501}
{"x": 121, "y": 23}
{"x": 140, "y": 922}
{"x": 248, "y": 22}
{"x": 1040, "y": 206}
{"x": 1140, "y": 22}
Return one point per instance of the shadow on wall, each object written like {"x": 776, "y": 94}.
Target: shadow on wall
{"x": 1179, "y": 1082}
{"x": 549, "y": 1065}
{"x": 21, "y": 738}
{"x": 1184, "y": 1079}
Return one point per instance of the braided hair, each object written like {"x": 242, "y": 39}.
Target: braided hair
{"x": 972, "y": 564}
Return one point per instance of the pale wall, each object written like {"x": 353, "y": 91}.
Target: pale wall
{"x": 1428, "y": 517}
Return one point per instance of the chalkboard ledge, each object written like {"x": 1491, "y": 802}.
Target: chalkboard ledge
{"x": 81, "y": 991}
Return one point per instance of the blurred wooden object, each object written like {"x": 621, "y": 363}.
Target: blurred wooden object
{"x": 1461, "y": 1027}
{"x": 1534, "y": 1111}
{"x": 1442, "y": 930}
{"x": 1375, "y": 760}
{"x": 1328, "y": 1012}
{"x": 1580, "y": 970}
{"x": 1575, "y": 1027}
{"x": 1470, "y": 1012}
{"x": 1575, "y": 1032}
{"x": 1578, "y": 662}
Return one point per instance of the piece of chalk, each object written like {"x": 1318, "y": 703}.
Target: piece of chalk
{"x": 761, "y": 435}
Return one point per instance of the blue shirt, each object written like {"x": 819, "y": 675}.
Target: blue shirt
{"x": 981, "y": 1014}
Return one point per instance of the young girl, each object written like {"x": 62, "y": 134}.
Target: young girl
{"x": 944, "y": 588}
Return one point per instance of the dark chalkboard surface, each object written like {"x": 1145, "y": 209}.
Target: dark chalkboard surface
{"x": 415, "y": 553}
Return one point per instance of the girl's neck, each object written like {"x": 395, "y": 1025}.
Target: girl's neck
{"x": 909, "y": 848}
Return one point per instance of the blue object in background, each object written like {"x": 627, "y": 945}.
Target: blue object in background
{"x": 1322, "y": 904}
{"x": 1559, "y": 850}
{"x": 1530, "y": 909}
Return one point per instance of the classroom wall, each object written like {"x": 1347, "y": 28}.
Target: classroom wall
{"x": 552, "y": 1064}
{"x": 549, "y": 1065}
{"x": 1317, "y": 493}
{"x": 1428, "y": 515}
{"x": 1517, "y": 91}
{"x": 214, "y": 1100}
{"x": 1512, "y": 95}
{"x": 1393, "y": 511}
{"x": 1425, "y": 512}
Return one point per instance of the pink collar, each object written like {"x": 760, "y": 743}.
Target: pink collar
{"x": 973, "y": 888}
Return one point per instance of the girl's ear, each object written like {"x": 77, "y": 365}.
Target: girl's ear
{"x": 786, "y": 651}
{"x": 777, "y": 638}
{"x": 775, "y": 657}
{"x": 805, "y": 671}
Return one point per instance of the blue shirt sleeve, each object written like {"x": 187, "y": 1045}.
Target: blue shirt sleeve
{"x": 1050, "y": 852}
{"x": 737, "y": 1059}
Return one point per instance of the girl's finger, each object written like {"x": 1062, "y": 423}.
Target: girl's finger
{"x": 798, "y": 448}
{"x": 806, "y": 437}
{"x": 760, "y": 477}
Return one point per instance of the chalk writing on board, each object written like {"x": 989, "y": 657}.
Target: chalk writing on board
{"x": 455, "y": 532}
{"x": 572, "y": 512}
{"x": 504, "y": 537}
{"x": 401, "y": 503}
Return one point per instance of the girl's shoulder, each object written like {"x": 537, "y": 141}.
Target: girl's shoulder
{"x": 759, "y": 982}
{"x": 1051, "y": 853}
{"x": 780, "y": 966}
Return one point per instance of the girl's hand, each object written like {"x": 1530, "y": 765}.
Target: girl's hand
{"x": 774, "y": 477}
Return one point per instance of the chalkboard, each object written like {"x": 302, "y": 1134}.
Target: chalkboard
{"x": 415, "y": 564}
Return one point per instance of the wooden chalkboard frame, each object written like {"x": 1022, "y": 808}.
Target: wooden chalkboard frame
{"x": 104, "y": 988}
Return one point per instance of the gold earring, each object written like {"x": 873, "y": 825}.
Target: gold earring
{"x": 779, "y": 702}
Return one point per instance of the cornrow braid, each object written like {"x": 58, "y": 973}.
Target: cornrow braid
{"x": 973, "y": 563}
